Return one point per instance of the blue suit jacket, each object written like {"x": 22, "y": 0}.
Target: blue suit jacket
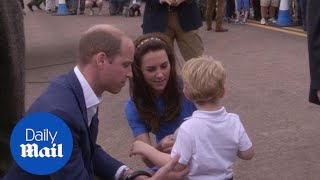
{"x": 64, "y": 98}
{"x": 155, "y": 17}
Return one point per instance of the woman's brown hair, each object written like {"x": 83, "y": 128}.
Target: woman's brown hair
{"x": 142, "y": 93}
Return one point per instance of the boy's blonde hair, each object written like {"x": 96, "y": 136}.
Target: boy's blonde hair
{"x": 203, "y": 79}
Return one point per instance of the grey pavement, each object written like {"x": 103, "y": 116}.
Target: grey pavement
{"x": 267, "y": 85}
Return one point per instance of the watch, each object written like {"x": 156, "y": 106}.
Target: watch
{"x": 136, "y": 174}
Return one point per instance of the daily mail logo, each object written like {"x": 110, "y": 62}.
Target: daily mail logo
{"x": 41, "y": 143}
{"x": 32, "y": 150}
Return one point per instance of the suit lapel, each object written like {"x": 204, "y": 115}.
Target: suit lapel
{"x": 77, "y": 88}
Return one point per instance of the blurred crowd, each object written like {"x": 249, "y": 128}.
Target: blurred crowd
{"x": 265, "y": 11}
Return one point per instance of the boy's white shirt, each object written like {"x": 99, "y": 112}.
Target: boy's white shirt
{"x": 210, "y": 140}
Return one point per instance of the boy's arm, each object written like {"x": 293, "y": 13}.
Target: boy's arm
{"x": 247, "y": 154}
{"x": 152, "y": 154}
{"x": 246, "y": 150}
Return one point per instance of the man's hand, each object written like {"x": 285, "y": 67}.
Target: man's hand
{"x": 169, "y": 171}
{"x": 318, "y": 94}
{"x": 166, "y": 144}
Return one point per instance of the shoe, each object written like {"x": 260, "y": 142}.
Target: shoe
{"x": 100, "y": 13}
{"x": 221, "y": 29}
{"x": 263, "y": 21}
{"x": 244, "y": 21}
{"x": 49, "y": 11}
{"x": 237, "y": 21}
{"x": 228, "y": 20}
{"x": 55, "y": 10}
{"x": 272, "y": 20}
{"x": 209, "y": 28}
{"x": 81, "y": 13}
{"x": 91, "y": 12}
{"x": 72, "y": 13}
{"x": 30, "y": 6}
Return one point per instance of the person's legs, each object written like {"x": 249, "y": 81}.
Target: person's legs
{"x": 47, "y": 6}
{"x": 251, "y": 8}
{"x": 209, "y": 13}
{"x": 264, "y": 4}
{"x": 298, "y": 9}
{"x": 121, "y": 4}
{"x": 219, "y": 16}
{"x": 89, "y": 4}
{"x": 303, "y": 6}
{"x": 233, "y": 8}
{"x": 228, "y": 9}
{"x": 30, "y": 4}
{"x": 73, "y": 7}
{"x": 82, "y": 6}
{"x": 138, "y": 11}
{"x": 100, "y": 5}
{"x": 170, "y": 32}
{"x": 38, "y": 3}
{"x": 239, "y": 5}
{"x": 246, "y": 6}
{"x": 257, "y": 9}
{"x": 272, "y": 11}
{"x": 273, "y": 7}
{"x": 189, "y": 43}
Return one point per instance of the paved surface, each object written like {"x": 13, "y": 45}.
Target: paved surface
{"x": 267, "y": 85}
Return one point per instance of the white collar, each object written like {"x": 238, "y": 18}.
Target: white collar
{"x": 209, "y": 114}
{"x": 90, "y": 97}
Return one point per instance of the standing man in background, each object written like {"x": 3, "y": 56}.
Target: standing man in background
{"x": 313, "y": 29}
{"x": 179, "y": 20}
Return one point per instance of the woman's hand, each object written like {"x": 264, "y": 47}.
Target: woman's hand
{"x": 166, "y": 144}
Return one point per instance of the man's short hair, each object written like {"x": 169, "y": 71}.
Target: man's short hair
{"x": 203, "y": 79}
{"x": 100, "y": 38}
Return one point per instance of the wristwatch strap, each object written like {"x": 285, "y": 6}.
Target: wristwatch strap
{"x": 136, "y": 174}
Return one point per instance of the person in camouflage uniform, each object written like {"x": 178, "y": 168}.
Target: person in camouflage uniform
{"x": 219, "y": 6}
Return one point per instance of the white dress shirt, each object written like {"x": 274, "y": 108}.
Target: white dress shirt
{"x": 91, "y": 99}
{"x": 92, "y": 103}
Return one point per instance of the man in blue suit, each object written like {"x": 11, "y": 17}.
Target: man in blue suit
{"x": 105, "y": 58}
{"x": 179, "y": 20}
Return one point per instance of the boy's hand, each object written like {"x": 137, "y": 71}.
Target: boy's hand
{"x": 169, "y": 172}
{"x": 138, "y": 148}
{"x": 166, "y": 144}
